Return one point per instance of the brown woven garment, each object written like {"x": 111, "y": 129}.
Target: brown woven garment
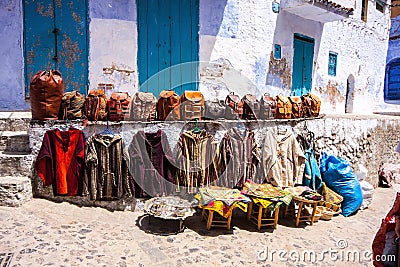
{"x": 46, "y": 89}
{"x": 71, "y": 106}
{"x": 167, "y": 106}
{"x": 95, "y": 107}
{"x": 144, "y": 106}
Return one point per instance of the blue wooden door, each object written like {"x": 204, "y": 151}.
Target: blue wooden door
{"x": 168, "y": 35}
{"x": 302, "y": 64}
{"x": 55, "y": 37}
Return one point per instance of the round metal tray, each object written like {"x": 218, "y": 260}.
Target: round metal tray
{"x": 169, "y": 208}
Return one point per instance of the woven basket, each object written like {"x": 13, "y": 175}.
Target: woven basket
{"x": 327, "y": 213}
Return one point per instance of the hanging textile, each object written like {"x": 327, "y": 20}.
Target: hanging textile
{"x": 239, "y": 156}
{"x": 196, "y": 160}
{"x": 60, "y": 161}
{"x": 152, "y": 164}
{"x": 282, "y": 160}
{"x": 106, "y": 168}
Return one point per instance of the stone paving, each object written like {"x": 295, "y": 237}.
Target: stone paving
{"x": 44, "y": 233}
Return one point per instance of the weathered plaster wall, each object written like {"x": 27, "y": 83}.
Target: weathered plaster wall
{"x": 12, "y": 91}
{"x": 113, "y": 44}
{"x": 243, "y": 33}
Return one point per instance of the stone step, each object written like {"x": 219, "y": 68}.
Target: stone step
{"x": 17, "y": 141}
{"x": 15, "y": 164}
{"x": 15, "y": 121}
{"x": 15, "y": 190}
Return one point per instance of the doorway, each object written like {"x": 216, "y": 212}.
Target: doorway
{"x": 303, "y": 47}
{"x": 55, "y": 37}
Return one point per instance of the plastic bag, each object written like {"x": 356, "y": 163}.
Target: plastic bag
{"x": 366, "y": 188}
{"x": 339, "y": 176}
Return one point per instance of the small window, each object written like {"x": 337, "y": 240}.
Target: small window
{"x": 332, "y": 63}
{"x": 380, "y": 6}
{"x": 364, "y": 10}
{"x": 277, "y": 51}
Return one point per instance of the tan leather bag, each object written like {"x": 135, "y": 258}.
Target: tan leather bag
{"x": 192, "y": 105}
{"x": 234, "y": 106}
{"x": 71, "y": 107}
{"x": 311, "y": 105}
{"x": 267, "y": 107}
{"x": 46, "y": 90}
{"x": 144, "y": 107}
{"x": 283, "y": 107}
{"x": 119, "y": 106}
{"x": 95, "y": 107}
{"x": 297, "y": 106}
{"x": 168, "y": 106}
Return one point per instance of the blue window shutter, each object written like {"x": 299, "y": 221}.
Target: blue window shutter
{"x": 277, "y": 51}
{"x": 332, "y": 63}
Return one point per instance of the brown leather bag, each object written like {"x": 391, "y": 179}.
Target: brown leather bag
{"x": 267, "y": 107}
{"x": 46, "y": 90}
{"x": 168, "y": 106}
{"x": 311, "y": 105}
{"x": 192, "y": 105}
{"x": 95, "y": 107}
{"x": 144, "y": 107}
{"x": 214, "y": 109}
{"x": 251, "y": 107}
{"x": 71, "y": 107}
{"x": 234, "y": 107}
{"x": 297, "y": 106}
{"x": 119, "y": 106}
{"x": 283, "y": 107}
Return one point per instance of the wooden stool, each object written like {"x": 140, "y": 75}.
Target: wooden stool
{"x": 260, "y": 217}
{"x": 217, "y": 220}
{"x": 302, "y": 203}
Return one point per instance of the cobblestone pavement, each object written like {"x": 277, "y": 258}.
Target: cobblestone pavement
{"x": 43, "y": 233}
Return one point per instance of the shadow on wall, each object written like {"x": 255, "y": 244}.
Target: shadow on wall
{"x": 213, "y": 23}
{"x": 349, "y": 94}
{"x": 280, "y": 71}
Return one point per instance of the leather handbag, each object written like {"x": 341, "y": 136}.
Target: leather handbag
{"x": 46, "y": 91}
{"x": 119, "y": 106}
{"x": 95, "y": 107}
{"x": 144, "y": 107}
{"x": 192, "y": 105}
{"x": 297, "y": 106}
{"x": 251, "y": 107}
{"x": 234, "y": 106}
{"x": 168, "y": 106}
{"x": 283, "y": 107}
{"x": 311, "y": 105}
{"x": 71, "y": 107}
{"x": 267, "y": 107}
{"x": 214, "y": 109}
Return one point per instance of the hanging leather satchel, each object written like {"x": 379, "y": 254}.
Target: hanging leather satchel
{"x": 71, "y": 107}
{"x": 168, "y": 106}
{"x": 119, "y": 106}
{"x": 283, "y": 107}
{"x": 46, "y": 90}
{"x": 95, "y": 107}
{"x": 192, "y": 105}
{"x": 311, "y": 105}
{"x": 144, "y": 106}
{"x": 267, "y": 107}
{"x": 251, "y": 107}
{"x": 215, "y": 109}
{"x": 234, "y": 107}
{"x": 297, "y": 106}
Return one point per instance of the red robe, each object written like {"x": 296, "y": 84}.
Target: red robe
{"x": 60, "y": 161}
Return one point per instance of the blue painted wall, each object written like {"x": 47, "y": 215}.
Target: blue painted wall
{"x": 12, "y": 95}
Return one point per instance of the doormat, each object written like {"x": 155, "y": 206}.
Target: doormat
{"x": 5, "y": 259}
